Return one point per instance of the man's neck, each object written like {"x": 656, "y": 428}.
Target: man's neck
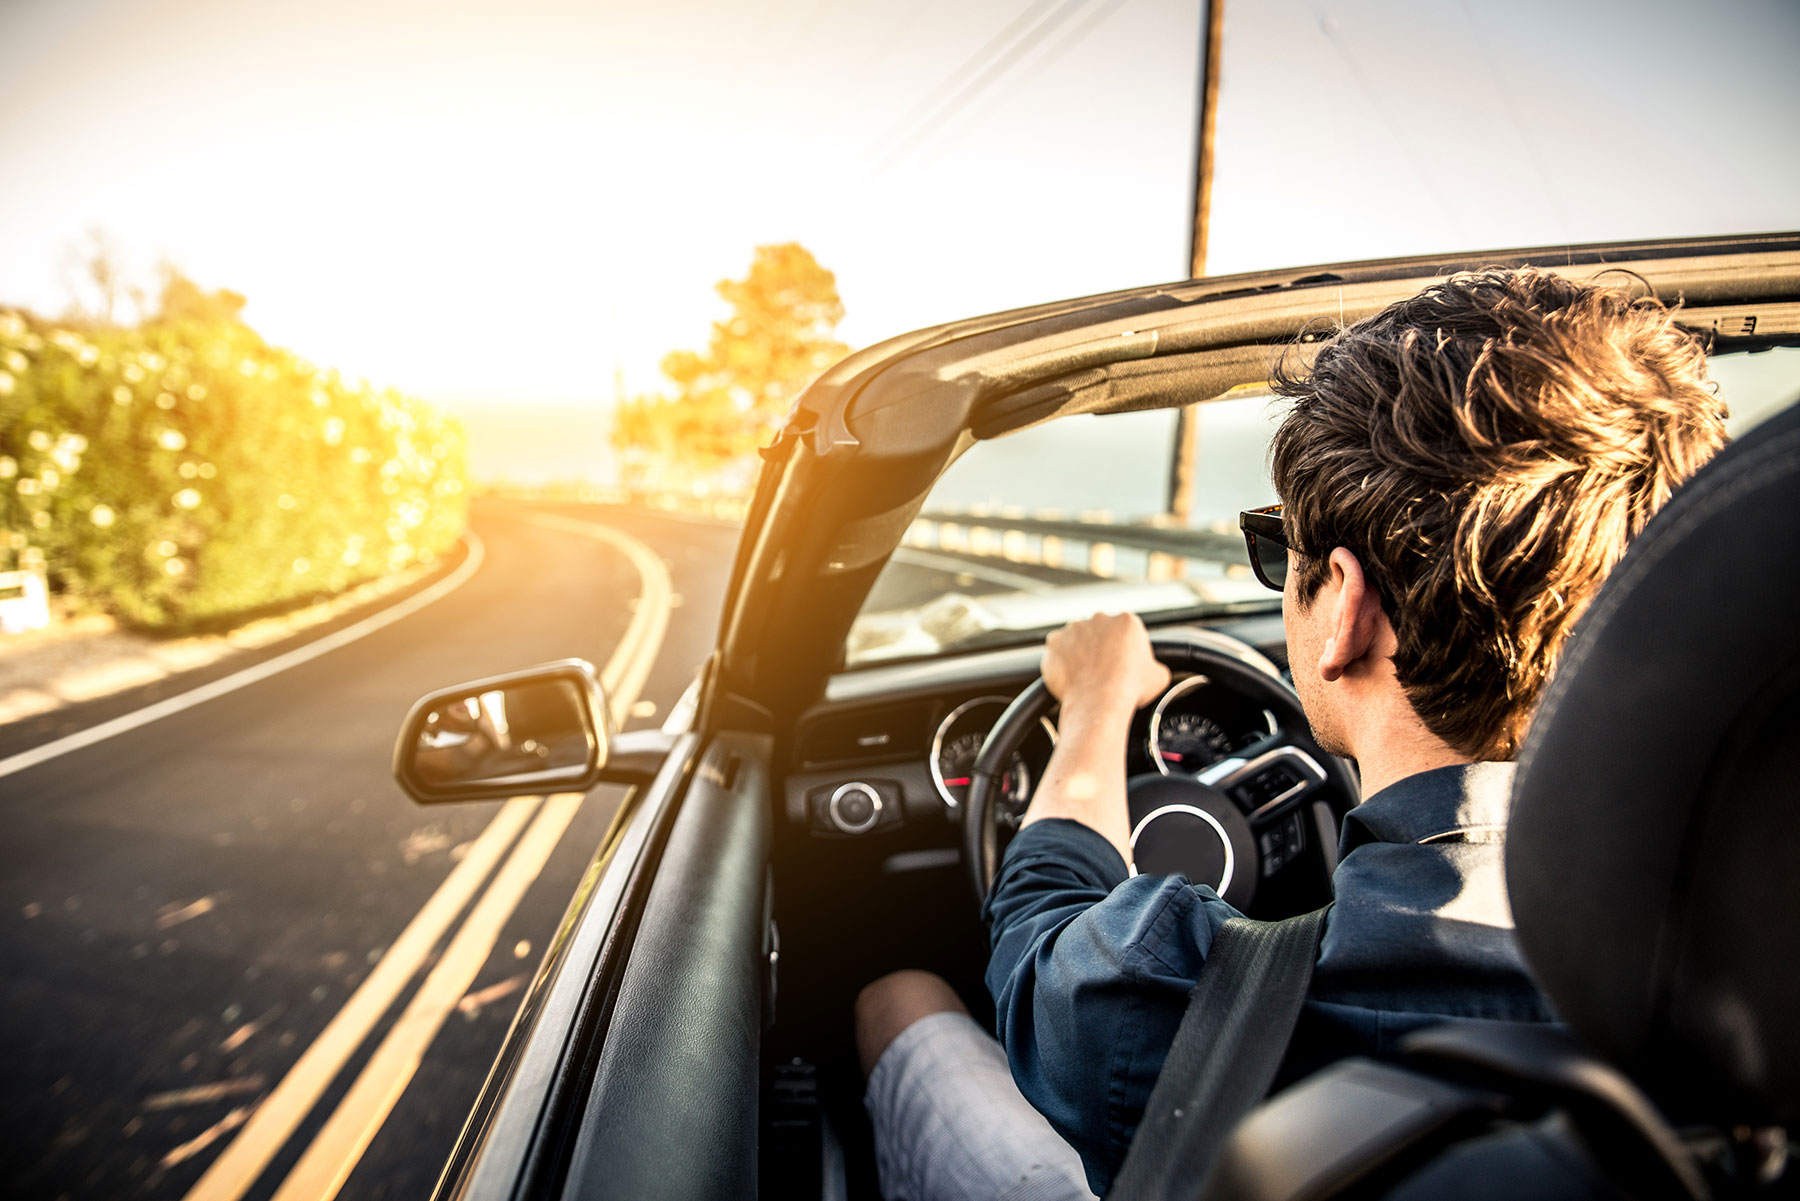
{"x": 1381, "y": 769}
{"x": 1391, "y": 750}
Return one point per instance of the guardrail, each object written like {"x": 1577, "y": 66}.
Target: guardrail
{"x": 1088, "y": 543}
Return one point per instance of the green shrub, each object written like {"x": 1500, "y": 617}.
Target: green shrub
{"x": 184, "y": 475}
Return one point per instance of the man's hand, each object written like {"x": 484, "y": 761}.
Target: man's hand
{"x": 1103, "y": 664}
{"x": 1102, "y": 671}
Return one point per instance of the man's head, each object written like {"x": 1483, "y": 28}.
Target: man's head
{"x": 1484, "y": 452}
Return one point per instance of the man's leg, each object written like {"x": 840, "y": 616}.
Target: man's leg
{"x": 949, "y": 1121}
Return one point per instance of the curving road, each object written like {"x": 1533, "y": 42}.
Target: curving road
{"x": 186, "y": 908}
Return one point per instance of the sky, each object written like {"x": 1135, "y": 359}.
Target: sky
{"x": 522, "y": 202}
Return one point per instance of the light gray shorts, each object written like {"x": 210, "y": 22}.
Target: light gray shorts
{"x": 950, "y": 1123}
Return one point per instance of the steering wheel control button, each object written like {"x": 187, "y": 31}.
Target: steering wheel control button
{"x": 1278, "y": 780}
{"x": 854, "y": 808}
{"x": 1282, "y": 843}
{"x": 1264, "y": 783}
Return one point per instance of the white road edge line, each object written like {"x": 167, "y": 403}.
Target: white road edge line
{"x": 251, "y": 675}
{"x": 352, "y": 1126}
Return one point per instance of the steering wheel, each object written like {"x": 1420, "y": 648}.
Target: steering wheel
{"x": 1218, "y": 828}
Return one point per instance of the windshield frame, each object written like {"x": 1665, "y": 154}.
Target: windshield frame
{"x": 850, "y": 469}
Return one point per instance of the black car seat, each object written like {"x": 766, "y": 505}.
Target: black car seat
{"x": 1653, "y": 861}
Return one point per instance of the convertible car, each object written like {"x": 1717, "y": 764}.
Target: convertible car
{"x": 827, "y": 803}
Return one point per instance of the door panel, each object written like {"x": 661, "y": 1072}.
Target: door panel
{"x": 516, "y": 1143}
{"x": 673, "y": 1111}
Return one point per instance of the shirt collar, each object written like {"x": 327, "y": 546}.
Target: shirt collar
{"x": 1465, "y": 803}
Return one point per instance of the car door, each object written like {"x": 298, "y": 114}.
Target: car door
{"x": 632, "y": 1068}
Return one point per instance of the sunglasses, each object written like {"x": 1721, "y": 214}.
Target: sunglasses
{"x": 1267, "y": 545}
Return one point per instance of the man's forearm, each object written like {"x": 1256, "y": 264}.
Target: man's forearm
{"x": 1085, "y": 781}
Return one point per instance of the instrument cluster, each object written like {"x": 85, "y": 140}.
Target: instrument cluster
{"x": 1191, "y": 726}
{"x": 881, "y": 768}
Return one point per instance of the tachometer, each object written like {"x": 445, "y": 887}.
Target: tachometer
{"x": 957, "y": 745}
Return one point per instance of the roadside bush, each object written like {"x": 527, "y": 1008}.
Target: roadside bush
{"x": 184, "y": 475}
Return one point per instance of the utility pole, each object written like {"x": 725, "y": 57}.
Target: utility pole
{"x": 1181, "y": 475}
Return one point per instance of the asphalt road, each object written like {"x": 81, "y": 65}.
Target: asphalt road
{"x": 185, "y": 907}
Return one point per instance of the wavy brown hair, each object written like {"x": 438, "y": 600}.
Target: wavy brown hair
{"x": 1487, "y": 449}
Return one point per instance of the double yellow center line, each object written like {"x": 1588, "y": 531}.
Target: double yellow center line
{"x": 328, "y": 1161}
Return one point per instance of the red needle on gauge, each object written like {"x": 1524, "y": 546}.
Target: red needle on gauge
{"x": 956, "y": 783}
{"x": 1173, "y": 755}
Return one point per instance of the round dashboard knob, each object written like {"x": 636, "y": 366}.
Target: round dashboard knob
{"x": 854, "y": 808}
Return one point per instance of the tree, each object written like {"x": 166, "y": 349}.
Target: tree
{"x": 99, "y": 284}
{"x": 184, "y": 300}
{"x": 731, "y": 398}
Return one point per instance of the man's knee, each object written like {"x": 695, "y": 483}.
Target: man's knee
{"x": 889, "y": 1005}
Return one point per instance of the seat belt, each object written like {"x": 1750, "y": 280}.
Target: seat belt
{"x": 1227, "y": 1050}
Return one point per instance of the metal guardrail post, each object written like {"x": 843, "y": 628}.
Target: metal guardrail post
{"x": 1101, "y": 559}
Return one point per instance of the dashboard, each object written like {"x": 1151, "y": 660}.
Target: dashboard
{"x": 889, "y": 750}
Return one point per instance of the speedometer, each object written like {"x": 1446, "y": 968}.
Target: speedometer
{"x": 1197, "y": 723}
{"x": 1189, "y": 741}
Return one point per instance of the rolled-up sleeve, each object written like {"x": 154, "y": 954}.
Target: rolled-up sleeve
{"x": 1090, "y": 972}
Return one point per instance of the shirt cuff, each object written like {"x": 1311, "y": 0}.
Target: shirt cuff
{"x": 1066, "y": 842}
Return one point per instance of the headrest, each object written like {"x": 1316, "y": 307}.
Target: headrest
{"x": 1653, "y": 856}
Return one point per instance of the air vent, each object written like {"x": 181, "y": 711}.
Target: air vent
{"x": 1768, "y": 320}
{"x": 867, "y": 734}
{"x": 1735, "y": 325}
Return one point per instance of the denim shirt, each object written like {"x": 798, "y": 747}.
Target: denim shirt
{"x": 1091, "y": 970}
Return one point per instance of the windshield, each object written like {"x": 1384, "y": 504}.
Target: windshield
{"x": 1082, "y": 515}
{"x": 1073, "y": 517}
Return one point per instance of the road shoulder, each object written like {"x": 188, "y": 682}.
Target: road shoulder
{"x": 64, "y": 680}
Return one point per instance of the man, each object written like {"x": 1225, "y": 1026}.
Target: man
{"x": 1458, "y": 474}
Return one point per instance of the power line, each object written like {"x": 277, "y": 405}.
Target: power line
{"x": 1031, "y": 12}
{"x": 950, "y": 108}
{"x": 1075, "y": 37}
{"x": 966, "y": 95}
{"x": 1056, "y": 52}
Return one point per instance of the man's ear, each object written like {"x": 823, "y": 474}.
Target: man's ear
{"x": 1354, "y": 619}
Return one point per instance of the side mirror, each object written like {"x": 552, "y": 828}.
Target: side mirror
{"x": 546, "y": 729}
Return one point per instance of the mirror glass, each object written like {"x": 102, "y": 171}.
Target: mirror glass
{"x": 535, "y": 732}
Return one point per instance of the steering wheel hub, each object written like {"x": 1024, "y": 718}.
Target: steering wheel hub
{"x": 1181, "y": 827}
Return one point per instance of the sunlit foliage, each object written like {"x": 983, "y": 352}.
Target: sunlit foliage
{"x": 184, "y": 474}
{"x": 730, "y": 398}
